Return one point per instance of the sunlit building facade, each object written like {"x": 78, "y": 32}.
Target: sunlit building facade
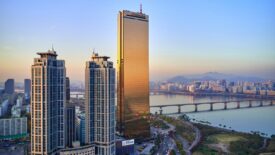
{"x": 48, "y": 102}
{"x": 133, "y": 74}
{"x": 100, "y": 104}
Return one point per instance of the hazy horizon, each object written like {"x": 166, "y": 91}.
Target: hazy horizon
{"x": 186, "y": 37}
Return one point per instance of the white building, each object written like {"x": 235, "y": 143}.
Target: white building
{"x": 11, "y": 128}
{"x": 100, "y": 104}
{"x": 15, "y": 111}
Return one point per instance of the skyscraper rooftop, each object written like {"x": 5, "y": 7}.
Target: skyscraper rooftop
{"x": 48, "y": 54}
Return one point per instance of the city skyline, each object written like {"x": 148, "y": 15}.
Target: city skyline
{"x": 228, "y": 37}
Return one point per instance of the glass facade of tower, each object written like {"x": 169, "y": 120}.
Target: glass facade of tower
{"x": 100, "y": 104}
{"x": 133, "y": 75}
{"x": 48, "y": 104}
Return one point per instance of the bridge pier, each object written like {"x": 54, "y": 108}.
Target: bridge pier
{"x": 211, "y": 106}
{"x": 238, "y": 105}
{"x": 225, "y": 105}
{"x": 160, "y": 110}
{"x": 271, "y": 103}
{"x": 261, "y": 103}
{"x": 196, "y": 107}
{"x": 250, "y": 104}
{"x": 179, "y": 109}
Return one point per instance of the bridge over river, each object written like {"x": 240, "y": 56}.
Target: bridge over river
{"x": 237, "y": 104}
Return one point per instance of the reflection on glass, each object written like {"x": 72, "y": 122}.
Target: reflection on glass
{"x": 133, "y": 75}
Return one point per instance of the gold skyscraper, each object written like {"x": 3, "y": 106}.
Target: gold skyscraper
{"x": 133, "y": 74}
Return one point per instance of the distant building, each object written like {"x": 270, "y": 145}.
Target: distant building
{"x": 27, "y": 108}
{"x": 192, "y": 88}
{"x": 77, "y": 110}
{"x": 9, "y": 86}
{"x": 4, "y": 107}
{"x": 82, "y": 131}
{"x": 13, "y": 128}
{"x": 48, "y": 104}
{"x": 27, "y": 87}
{"x": 70, "y": 117}
{"x": 71, "y": 121}
{"x": 81, "y": 150}
{"x": 100, "y": 104}
{"x": 80, "y": 128}
{"x": 68, "y": 90}
{"x": 15, "y": 111}
{"x": 273, "y": 86}
{"x": 1, "y": 91}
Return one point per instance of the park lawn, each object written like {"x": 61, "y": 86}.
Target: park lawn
{"x": 225, "y": 138}
{"x": 159, "y": 124}
{"x": 205, "y": 150}
{"x": 271, "y": 145}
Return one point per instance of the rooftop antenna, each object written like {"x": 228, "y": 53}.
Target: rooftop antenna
{"x": 140, "y": 8}
{"x": 93, "y": 50}
{"x": 52, "y": 48}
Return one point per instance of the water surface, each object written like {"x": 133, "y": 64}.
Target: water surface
{"x": 246, "y": 120}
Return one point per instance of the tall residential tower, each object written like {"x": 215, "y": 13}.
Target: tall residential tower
{"x": 100, "y": 104}
{"x": 133, "y": 75}
{"x": 48, "y": 104}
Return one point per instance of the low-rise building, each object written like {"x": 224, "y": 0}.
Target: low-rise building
{"x": 125, "y": 147}
{"x": 13, "y": 128}
{"x": 80, "y": 150}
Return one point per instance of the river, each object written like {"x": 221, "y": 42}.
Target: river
{"x": 245, "y": 120}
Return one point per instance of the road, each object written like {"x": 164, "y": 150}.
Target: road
{"x": 186, "y": 146}
{"x": 168, "y": 143}
{"x": 184, "y": 142}
{"x": 264, "y": 144}
{"x": 197, "y": 138}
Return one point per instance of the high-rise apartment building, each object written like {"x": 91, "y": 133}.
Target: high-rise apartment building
{"x": 68, "y": 90}
{"x": 71, "y": 122}
{"x": 80, "y": 129}
{"x": 9, "y": 86}
{"x": 100, "y": 104}
{"x": 27, "y": 87}
{"x": 70, "y": 117}
{"x": 48, "y": 101}
{"x": 133, "y": 75}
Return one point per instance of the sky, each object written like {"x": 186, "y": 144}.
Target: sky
{"x": 185, "y": 36}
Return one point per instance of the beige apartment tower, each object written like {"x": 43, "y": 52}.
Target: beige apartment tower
{"x": 133, "y": 75}
{"x": 48, "y": 101}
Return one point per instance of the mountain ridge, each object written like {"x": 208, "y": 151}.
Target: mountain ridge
{"x": 214, "y": 76}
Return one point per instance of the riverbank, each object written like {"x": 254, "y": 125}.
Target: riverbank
{"x": 217, "y": 140}
{"x": 200, "y": 138}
